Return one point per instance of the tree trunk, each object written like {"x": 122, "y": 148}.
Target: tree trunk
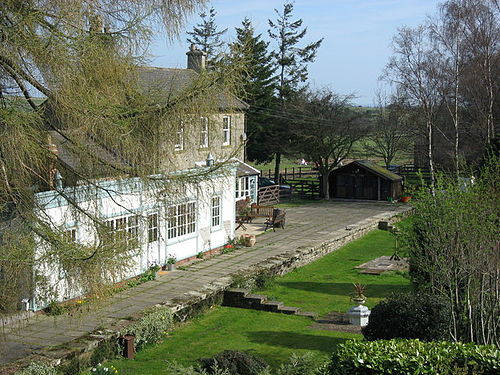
{"x": 325, "y": 185}
{"x": 277, "y": 163}
{"x": 430, "y": 156}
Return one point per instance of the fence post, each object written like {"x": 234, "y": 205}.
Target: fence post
{"x": 293, "y": 173}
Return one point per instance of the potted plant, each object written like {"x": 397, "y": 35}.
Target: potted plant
{"x": 248, "y": 240}
{"x": 405, "y": 198}
{"x": 359, "y": 297}
{"x": 171, "y": 263}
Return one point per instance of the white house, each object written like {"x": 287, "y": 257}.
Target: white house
{"x": 164, "y": 220}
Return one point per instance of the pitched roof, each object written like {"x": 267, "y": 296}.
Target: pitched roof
{"x": 172, "y": 82}
{"x": 246, "y": 170}
{"x": 374, "y": 168}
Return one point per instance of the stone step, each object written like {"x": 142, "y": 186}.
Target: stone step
{"x": 237, "y": 291}
{"x": 289, "y": 310}
{"x": 273, "y": 306}
{"x": 256, "y": 297}
{"x": 308, "y": 314}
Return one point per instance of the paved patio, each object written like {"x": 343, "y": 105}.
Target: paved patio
{"x": 306, "y": 226}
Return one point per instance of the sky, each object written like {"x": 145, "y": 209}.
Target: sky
{"x": 357, "y": 37}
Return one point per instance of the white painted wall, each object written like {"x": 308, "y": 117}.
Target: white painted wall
{"x": 130, "y": 196}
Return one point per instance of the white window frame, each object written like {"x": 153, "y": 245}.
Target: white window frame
{"x": 126, "y": 224}
{"x": 204, "y": 139}
{"x": 226, "y": 130}
{"x": 216, "y": 211}
{"x": 179, "y": 138}
{"x": 243, "y": 187}
{"x": 181, "y": 220}
{"x": 153, "y": 223}
{"x": 70, "y": 234}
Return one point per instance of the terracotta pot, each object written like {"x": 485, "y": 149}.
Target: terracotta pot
{"x": 405, "y": 199}
{"x": 248, "y": 239}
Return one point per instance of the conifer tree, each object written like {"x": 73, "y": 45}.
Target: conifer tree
{"x": 292, "y": 61}
{"x": 207, "y": 36}
{"x": 259, "y": 85}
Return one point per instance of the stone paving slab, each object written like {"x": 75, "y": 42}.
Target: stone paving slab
{"x": 307, "y": 226}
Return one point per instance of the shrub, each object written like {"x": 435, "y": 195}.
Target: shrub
{"x": 107, "y": 349}
{"x": 301, "y": 364}
{"x": 235, "y": 362}
{"x": 151, "y": 327}
{"x": 177, "y": 369}
{"x": 409, "y": 316}
{"x": 37, "y": 368}
{"x": 74, "y": 367}
{"x": 264, "y": 280}
{"x": 54, "y": 308}
{"x": 401, "y": 357}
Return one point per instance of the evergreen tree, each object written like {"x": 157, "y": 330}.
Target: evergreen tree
{"x": 258, "y": 87}
{"x": 207, "y": 36}
{"x": 292, "y": 62}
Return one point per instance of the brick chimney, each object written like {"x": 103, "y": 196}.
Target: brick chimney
{"x": 197, "y": 59}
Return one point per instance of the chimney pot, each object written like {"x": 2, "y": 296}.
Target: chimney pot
{"x": 196, "y": 59}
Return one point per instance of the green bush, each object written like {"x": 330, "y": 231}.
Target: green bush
{"x": 409, "y": 316}
{"x": 264, "y": 280}
{"x": 177, "y": 369}
{"x": 54, "y": 308}
{"x": 302, "y": 364}
{"x": 151, "y": 327}
{"x": 402, "y": 357}
{"x": 74, "y": 367}
{"x": 37, "y": 368}
{"x": 107, "y": 349}
{"x": 235, "y": 362}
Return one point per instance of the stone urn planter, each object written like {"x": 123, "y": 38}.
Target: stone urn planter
{"x": 359, "y": 314}
{"x": 248, "y": 240}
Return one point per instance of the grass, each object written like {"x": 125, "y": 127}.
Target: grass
{"x": 326, "y": 285}
{"x": 322, "y": 286}
{"x": 285, "y": 163}
{"x": 273, "y": 337}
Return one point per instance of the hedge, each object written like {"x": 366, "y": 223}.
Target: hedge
{"x": 399, "y": 356}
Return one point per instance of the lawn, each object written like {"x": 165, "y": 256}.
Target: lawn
{"x": 273, "y": 337}
{"x": 322, "y": 286}
{"x": 326, "y": 285}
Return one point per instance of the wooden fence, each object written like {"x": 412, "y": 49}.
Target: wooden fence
{"x": 269, "y": 195}
{"x": 412, "y": 174}
{"x": 291, "y": 173}
{"x": 305, "y": 188}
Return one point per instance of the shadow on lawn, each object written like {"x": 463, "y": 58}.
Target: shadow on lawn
{"x": 293, "y": 340}
{"x": 345, "y": 289}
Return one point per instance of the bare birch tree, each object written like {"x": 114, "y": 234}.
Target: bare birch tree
{"x": 413, "y": 70}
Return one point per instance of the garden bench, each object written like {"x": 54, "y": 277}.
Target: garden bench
{"x": 278, "y": 219}
{"x": 261, "y": 211}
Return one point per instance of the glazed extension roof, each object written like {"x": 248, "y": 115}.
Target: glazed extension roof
{"x": 170, "y": 83}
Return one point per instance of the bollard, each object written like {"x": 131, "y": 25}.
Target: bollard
{"x": 128, "y": 346}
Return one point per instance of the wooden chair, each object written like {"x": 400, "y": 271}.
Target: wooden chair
{"x": 278, "y": 220}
